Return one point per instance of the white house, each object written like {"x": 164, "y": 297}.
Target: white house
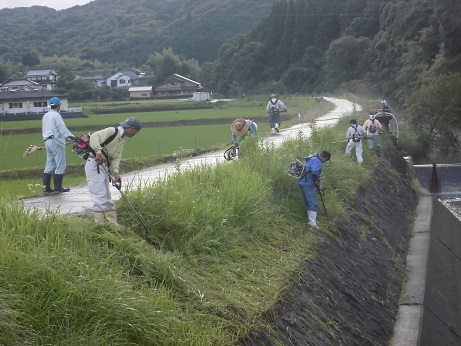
{"x": 30, "y": 102}
{"x": 140, "y": 92}
{"x": 122, "y": 78}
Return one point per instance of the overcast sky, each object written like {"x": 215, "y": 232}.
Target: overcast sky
{"x": 56, "y": 4}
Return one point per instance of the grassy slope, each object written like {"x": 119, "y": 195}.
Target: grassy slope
{"x": 231, "y": 236}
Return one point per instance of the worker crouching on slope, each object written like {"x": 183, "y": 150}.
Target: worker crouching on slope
{"x": 242, "y": 129}
{"x": 99, "y": 168}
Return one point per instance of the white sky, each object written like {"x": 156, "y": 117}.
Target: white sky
{"x": 56, "y": 4}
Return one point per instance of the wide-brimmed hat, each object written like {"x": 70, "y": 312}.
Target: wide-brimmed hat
{"x": 131, "y": 122}
{"x": 239, "y": 127}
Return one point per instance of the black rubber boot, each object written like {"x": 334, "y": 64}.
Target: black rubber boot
{"x": 58, "y": 183}
{"x": 46, "y": 177}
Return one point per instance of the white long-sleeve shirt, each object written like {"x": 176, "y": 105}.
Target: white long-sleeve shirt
{"x": 53, "y": 125}
{"x": 275, "y": 103}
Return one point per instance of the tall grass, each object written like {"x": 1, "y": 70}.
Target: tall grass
{"x": 226, "y": 240}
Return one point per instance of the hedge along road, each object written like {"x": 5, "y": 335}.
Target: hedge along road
{"x": 77, "y": 201}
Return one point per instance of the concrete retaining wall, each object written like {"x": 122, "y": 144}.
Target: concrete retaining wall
{"x": 430, "y": 308}
{"x": 441, "y": 322}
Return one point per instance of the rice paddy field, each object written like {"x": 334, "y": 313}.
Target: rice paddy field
{"x": 152, "y": 140}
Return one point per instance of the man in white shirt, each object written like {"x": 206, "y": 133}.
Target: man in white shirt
{"x": 273, "y": 108}
{"x": 54, "y": 133}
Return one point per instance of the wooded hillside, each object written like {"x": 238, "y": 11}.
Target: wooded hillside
{"x": 119, "y": 31}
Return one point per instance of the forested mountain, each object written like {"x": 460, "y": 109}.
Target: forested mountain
{"x": 119, "y": 31}
{"x": 316, "y": 45}
{"x": 408, "y": 50}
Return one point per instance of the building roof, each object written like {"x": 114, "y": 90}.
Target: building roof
{"x": 28, "y": 95}
{"x": 140, "y": 88}
{"x": 40, "y": 71}
{"x": 19, "y": 82}
{"x": 121, "y": 73}
{"x": 95, "y": 77}
{"x": 177, "y": 76}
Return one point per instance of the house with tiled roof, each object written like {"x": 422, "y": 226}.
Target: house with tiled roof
{"x": 20, "y": 85}
{"x": 176, "y": 86}
{"x": 46, "y": 77}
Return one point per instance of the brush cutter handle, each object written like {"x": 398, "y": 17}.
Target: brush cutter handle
{"x": 118, "y": 185}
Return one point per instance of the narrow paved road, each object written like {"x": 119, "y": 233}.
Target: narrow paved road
{"x": 77, "y": 201}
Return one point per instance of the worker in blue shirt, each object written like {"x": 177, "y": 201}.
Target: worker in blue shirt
{"x": 309, "y": 182}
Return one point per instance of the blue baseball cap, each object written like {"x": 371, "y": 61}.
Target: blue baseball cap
{"x": 131, "y": 122}
{"x": 54, "y": 102}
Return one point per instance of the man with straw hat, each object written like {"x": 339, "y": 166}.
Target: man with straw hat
{"x": 241, "y": 129}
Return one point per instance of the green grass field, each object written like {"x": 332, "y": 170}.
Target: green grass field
{"x": 151, "y": 142}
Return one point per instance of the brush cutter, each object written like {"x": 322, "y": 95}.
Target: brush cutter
{"x": 118, "y": 186}
{"x": 230, "y": 153}
{"x": 344, "y": 140}
{"x": 321, "y": 193}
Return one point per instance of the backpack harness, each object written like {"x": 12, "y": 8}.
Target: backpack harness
{"x": 273, "y": 109}
{"x": 372, "y": 127}
{"x": 356, "y": 135}
{"x": 82, "y": 145}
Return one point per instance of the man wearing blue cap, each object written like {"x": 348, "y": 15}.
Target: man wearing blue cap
{"x": 108, "y": 146}
{"x": 54, "y": 133}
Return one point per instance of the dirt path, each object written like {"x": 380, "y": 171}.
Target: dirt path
{"x": 77, "y": 201}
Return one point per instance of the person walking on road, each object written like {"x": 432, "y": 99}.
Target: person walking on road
{"x": 54, "y": 133}
{"x": 373, "y": 126}
{"x": 107, "y": 145}
{"x": 273, "y": 108}
{"x": 242, "y": 129}
{"x": 309, "y": 183}
{"x": 354, "y": 135}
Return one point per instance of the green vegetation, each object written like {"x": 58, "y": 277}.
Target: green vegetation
{"x": 152, "y": 146}
{"x": 227, "y": 251}
{"x": 138, "y": 29}
{"x": 403, "y": 51}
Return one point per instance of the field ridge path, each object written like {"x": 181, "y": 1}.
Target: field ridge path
{"x": 77, "y": 200}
